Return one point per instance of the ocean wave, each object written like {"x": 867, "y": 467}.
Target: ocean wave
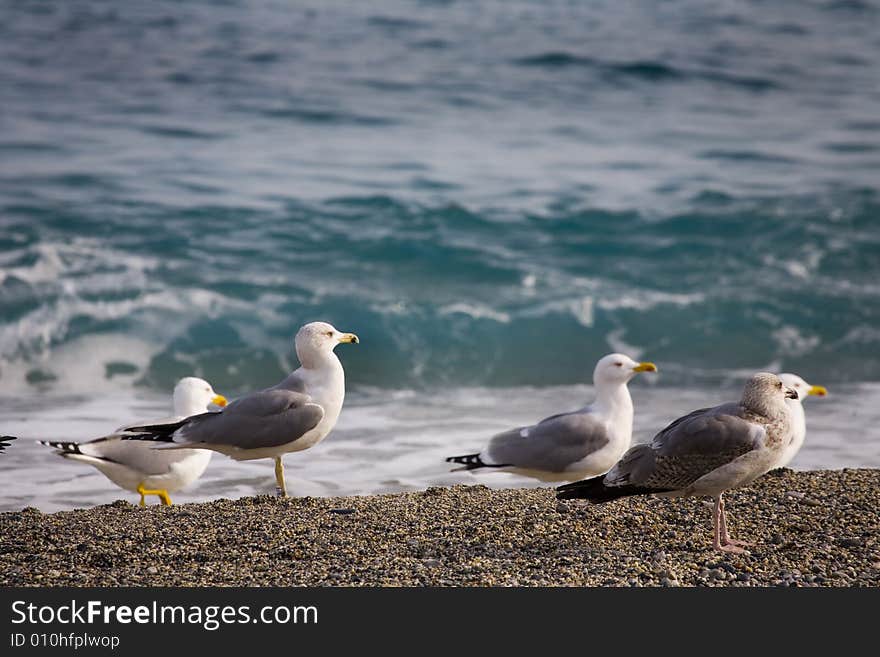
{"x": 493, "y": 192}
{"x": 442, "y": 292}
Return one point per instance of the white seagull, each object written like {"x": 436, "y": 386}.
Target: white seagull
{"x": 137, "y": 466}
{"x": 569, "y": 446}
{"x": 292, "y": 416}
{"x": 706, "y": 452}
{"x": 798, "y": 419}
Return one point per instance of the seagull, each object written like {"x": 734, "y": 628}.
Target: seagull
{"x": 799, "y": 421}
{"x": 137, "y": 466}
{"x": 706, "y": 452}
{"x": 569, "y": 446}
{"x": 292, "y": 416}
{"x": 4, "y": 442}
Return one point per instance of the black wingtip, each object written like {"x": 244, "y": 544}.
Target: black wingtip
{"x": 62, "y": 447}
{"x": 469, "y": 461}
{"x": 161, "y": 432}
{"x": 595, "y": 491}
{"x": 158, "y": 429}
{"x": 149, "y": 437}
{"x": 5, "y": 440}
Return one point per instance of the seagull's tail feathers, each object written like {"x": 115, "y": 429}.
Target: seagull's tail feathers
{"x": 157, "y": 433}
{"x": 471, "y": 462}
{"x": 62, "y": 447}
{"x": 597, "y": 492}
{"x": 5, "y": 440}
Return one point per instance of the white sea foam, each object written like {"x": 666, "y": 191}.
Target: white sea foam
{"x": 617, "y": 343}
{"x": 53, "y": 262}
{"x": 80, "y": 366}
{"x": 477, "y": 311}
{"x": 648, "y": 299}
{"x": 40, "y": 329}
{"x": 581, "y": 308}
{"x": 802, "y": 268}
{"x": 793, "y": 342}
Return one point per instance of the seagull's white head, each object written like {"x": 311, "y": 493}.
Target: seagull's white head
{"x": 801, "y": 387}
{"x": 317, "y": 339}
{"x": 193, "y": 395}
{"x": 765, "y": 394}
{"x": 616, "y": 369}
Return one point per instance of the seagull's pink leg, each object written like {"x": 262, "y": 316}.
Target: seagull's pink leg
{"x": 719, "y": 542}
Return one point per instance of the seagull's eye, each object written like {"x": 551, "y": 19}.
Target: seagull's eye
{"x": 779, "y": 384}
{"x": 330, "y": 333}
{"x": 618, "y": 364}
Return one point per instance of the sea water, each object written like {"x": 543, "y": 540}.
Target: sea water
{"x": 492, "y": 195}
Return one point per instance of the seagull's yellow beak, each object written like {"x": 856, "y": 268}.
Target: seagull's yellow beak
{"x": 819, "y": 391}
{"x": 219, "y": 400}
{"x": 349, "y": 337}
{"x": 645, "y": 367}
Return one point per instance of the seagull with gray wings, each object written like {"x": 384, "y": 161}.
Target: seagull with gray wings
{"x": 569, "y": 446}
{"x": 706, "y": 452}
{"x": 292, "y": 416}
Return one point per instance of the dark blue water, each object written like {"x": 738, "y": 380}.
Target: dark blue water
{"x": 488, "y": 193}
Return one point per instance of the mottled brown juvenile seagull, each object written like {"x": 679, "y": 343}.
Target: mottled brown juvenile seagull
{"x": 706, "y": 452}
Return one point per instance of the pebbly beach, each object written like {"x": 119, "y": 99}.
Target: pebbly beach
{"x": 814, "y": 528}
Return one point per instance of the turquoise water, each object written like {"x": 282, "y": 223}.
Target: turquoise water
{"x": 491, "y": 194}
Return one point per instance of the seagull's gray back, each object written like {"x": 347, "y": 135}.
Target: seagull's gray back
{"x": 689, "y": 448}
{"x": 552, "y": 445}
{"x": 269, "y": 418}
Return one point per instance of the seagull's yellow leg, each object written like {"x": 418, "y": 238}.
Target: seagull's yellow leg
{"x": 280, "y": 489}
{"x": 143, "y": 491}
{"x": 161, "y": 492}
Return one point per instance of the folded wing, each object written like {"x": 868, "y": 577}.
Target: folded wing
{"x": 264, "y": 419}
{"x": 689, "y": 448}
{"x": 551, "y": 445}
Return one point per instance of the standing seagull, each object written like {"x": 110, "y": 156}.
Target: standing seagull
{"x": 4, "y": 442}
{"x": 798, "y": 419}
{"x": 706, "y": 452}
{"x": 137, "y": 466}
{"x": 291, "y": 416}
{"x": 569, "y": 446}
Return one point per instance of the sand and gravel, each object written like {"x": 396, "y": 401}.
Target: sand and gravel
{"x": 812, "y": 529}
